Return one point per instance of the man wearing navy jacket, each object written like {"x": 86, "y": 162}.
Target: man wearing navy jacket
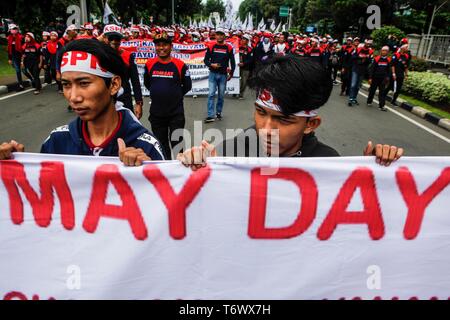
{"x": 168, "y": 80}
{"x": 219, "y": 58}
{"x": 91, "y": 74}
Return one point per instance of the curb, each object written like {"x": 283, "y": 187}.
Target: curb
{"x": 15, "y": 86}
{"x": 420, "y": 112}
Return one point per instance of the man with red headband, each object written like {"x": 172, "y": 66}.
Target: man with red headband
{"x": 44, "y": 63}
{"x": 112, "y": 34}
{"x": 31, "y": 60}
{"x": 168, "y": 79}
{"x": 51, "y": 50}
{"x": 15, "y": 52}
{"x": 92, "y": 75}
{"x": 291, "y": 91}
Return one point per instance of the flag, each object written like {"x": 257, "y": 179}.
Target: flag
{"x": 244, "y": 25}
{"x": 273, "y": 26}
{"x": 108, "y": 12}
{"x": 210, "y": 24}
{"x": 250, "y": 23}
{"x": 261, "y": 25}
{"x": 278, "y": 28}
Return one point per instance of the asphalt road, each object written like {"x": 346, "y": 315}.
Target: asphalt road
{"x": 29, "y": 119}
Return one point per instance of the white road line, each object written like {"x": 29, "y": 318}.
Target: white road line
{"x": 434, "y": 133}
{"x": 21, "y": 92}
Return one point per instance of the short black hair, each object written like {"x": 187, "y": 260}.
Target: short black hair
{"x": 298, "y": 83}
{"x": 107, "y": 57}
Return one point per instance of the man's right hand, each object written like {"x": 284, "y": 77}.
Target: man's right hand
{"x": 7, "y": 148}
{"x": 10, "y": 62}
{"x": 215, "y": 65}
{"x": 195, "y": 157}
{"x": 138, "y": 110}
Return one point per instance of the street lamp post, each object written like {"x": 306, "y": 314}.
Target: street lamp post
{"x": 83, "y": 8}
{"x": 290, "y": 19}
{"x": 173, "y": 11}
{"x": 435, "y": 10}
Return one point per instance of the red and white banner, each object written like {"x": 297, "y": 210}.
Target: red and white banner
{"x": 193, "y": 55}
{"x": 319, "y": 228}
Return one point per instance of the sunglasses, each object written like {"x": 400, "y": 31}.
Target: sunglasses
{"x": 162, "y": 36}
{"x": 114, "y": 38}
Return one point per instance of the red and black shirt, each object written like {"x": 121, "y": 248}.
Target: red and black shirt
{"x": 222, "y": 54}
{"x": 167, "y": 82}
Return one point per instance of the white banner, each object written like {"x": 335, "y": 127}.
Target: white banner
{"x": 318, "y": 228}
{"x": 193, "y": 56}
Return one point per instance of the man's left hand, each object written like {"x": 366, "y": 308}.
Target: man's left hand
{"x": 385, "y": 154}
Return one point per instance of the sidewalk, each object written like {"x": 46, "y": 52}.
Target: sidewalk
{"x": 8, "y": 79}
{"x": 418, "y": 111}
{"x": 8, "y": 83}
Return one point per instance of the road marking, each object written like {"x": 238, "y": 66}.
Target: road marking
{"x": 434, "y": 133}
{"x": 21, "y": 92}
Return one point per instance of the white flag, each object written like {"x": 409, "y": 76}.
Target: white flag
{"x": 261, "y": 25}
{"x": 278, "y": 28}
{"x": 244, "y": 25}
{"x": 108, "y": 12}
{"x": 210, "y": 24}
{"x": 250, "y": 23}
{"x": 273, "y": 26}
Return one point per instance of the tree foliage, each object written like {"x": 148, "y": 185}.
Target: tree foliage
{"x": 339, "y": 16}
{"x": 215, "y": 6}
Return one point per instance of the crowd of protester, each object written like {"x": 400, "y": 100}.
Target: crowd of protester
{"x": 283, "y": 68}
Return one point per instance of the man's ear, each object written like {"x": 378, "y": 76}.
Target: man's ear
{"x": 312, "y": 124}
{"x": 116, "y": 84}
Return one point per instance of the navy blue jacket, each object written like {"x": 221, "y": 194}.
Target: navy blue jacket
{"x": 69, "y": 139}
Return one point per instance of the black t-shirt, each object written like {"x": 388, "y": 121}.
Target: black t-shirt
{"x": 167, "y": 82}
{"x": 32, "y": 54}
{"x": 246, "y": 144}
{"x": 400, "y": 61}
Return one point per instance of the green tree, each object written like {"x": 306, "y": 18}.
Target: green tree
{"x": 380, "y": 36}
{"x": 251, "y": 6}
{"x": 215, "y": 6}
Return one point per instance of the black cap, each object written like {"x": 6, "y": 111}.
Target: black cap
{"x": 162, "y": 37}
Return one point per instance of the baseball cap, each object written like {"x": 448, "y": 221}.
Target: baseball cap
{"x": 162, "y": 37}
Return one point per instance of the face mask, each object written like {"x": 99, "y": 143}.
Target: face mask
{"x": 266, "y": 40}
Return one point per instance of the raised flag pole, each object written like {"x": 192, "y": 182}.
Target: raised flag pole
{"x": 84, "y": 14}
{"x": 173, "y": 12}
